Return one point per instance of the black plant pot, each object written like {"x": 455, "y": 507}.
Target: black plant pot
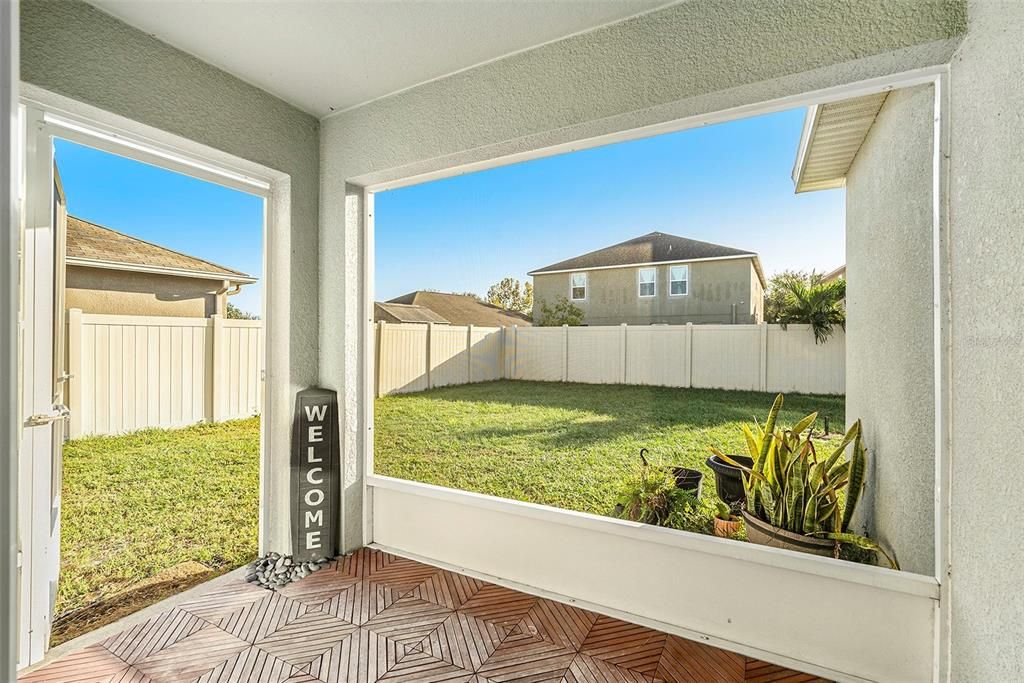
{"x": 689, "y": 480}
{"x": 728, "y": 480}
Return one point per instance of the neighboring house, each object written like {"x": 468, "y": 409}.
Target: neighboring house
{"x": 459, "y": 309}
{"x": 836, "y": 274}
{"x": 405, "y": 313}
{"x": 110, "y": 272}
{"x": 657, "y": 279}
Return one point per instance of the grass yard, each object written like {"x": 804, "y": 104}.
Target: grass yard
{"x": 153, "y": 504}
{"x": 566, "y": 445}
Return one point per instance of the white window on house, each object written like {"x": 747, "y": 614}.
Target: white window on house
{"x": 578, "y": 286}
{"x": 648, "y": 281}
{"x": 678, "y": 280}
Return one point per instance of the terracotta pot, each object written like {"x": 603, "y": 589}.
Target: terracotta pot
{"x": 727, "y": 529}
{"x": 763, "y": 533}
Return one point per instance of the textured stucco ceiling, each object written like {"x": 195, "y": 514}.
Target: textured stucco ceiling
{"x": 330, "y": 56}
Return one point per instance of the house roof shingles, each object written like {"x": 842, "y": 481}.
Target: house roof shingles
{"x": 87, "y": 240}
{"x": 407, "y": 313}
{"x": 459, "y": 309}
{"x": 654, "y": 247}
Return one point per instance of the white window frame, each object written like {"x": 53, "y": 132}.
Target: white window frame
{"x": 586, "y": 285}
{"x": 686, "y": 279}
{"x": 640, "y": 283}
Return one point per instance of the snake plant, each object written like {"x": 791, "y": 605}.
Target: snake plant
{"x": 791, "y": 487}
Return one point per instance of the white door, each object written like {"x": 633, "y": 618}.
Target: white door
{"x": 42, "y": 391}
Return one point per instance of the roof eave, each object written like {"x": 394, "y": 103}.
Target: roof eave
{"x": 731, "y": 257}
{"x": 237, "y": 278}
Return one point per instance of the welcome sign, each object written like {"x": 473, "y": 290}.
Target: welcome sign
{"x": 315, "y": 475}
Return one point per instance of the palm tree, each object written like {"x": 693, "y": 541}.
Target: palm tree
{"x": 819, "y": 305}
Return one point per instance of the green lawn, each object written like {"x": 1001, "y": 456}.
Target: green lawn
{"x": 138, "y": 505}
{"x": 565, "y": 445}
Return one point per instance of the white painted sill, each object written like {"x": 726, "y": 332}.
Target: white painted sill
{"x": 840, "y": 570}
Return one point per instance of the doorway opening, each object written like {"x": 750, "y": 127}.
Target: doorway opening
{"x": 156, "y": 343}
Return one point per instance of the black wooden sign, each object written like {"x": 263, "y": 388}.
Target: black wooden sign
{"x": 315, "y": 475}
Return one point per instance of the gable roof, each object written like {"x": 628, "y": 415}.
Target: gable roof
{"x": 459, "y": 309}
{"x": 405, "y": 313}
{"x": 654, "y": 247}
{"x": 93, "y": 245}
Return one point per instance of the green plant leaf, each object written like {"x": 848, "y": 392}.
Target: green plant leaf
{"x": 858, "y": 467}
{"x": 861, "y": 542}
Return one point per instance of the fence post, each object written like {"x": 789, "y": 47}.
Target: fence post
{"x": 625, "y": 358}
{"x": 218, "y": 381}
{"x": 763, "y": 379}
{"x": 469, "y": 353}
{"x": 515, "y": 349}
{"x": 565, "y": 353}
{"x": 74, "y": 384}
{"x": 378, "y": 342}
{"x": 430, "y": 334}
{"x": 689, "y": 356}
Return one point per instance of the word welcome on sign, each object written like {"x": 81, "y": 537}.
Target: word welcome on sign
{"x": 315, "y": 475}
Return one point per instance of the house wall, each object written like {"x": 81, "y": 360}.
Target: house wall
{"x": 986, "y": 242}
{"x": 121, "y": 292}
{"x": 74, "y": 50}
{"x": 889, "y": 308}
{"x": 714, "y": 289}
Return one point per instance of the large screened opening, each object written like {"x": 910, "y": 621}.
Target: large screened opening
{"x": 608, "y": 331}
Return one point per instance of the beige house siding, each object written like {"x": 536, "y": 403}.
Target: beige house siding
{"x": 122, "y": 292}
{"x": 714, "y": 289}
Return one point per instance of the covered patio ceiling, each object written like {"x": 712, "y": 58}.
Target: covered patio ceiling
{"x": 334, "y": 56}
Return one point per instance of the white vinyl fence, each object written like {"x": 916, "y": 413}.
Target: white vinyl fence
{"x": 412, "y": 357}
{"x": 133, "y": 372}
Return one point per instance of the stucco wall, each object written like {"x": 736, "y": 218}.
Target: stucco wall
{"x": 119, "y": 292}
{"x": 75, "y": 50}
{"x": 986, "y": 239}
{"x": 714, "y": 288}
{"x": 889, "y": 330}
{"x": 690, "y": 58}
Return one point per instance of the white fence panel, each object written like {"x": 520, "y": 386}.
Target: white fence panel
{"x": 594, "y": 355}
{"x": 726, "y": 357}
{"x": 737, "y": 357}
{"x": 658, "y": 355}
{"x": 138, "y": 372}
{"x": 487, "y": 353}
{"x": 449, "y": 355}
{"x": 796, "y": 363}
{"x": 539, "y": 354}
{"x": 402, "y": 356}
{"x": 243, "y": 343}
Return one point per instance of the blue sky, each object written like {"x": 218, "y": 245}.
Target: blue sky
{"x": 728, "y": 183}
{"x": 173, "y": 210}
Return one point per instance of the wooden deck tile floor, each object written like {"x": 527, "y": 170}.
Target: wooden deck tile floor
{"x": 375, "y": 617}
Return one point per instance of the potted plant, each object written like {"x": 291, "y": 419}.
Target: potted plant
{"x": 727, "y": 524}
{"x": 652, "y": 496}
{"x": 728, "y": 478}
{"x": 687, "y": 479}
{"x": 794, "y": 499}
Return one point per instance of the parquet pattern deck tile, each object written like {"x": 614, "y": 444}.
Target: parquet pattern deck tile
{"x": 373, "y": 617}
